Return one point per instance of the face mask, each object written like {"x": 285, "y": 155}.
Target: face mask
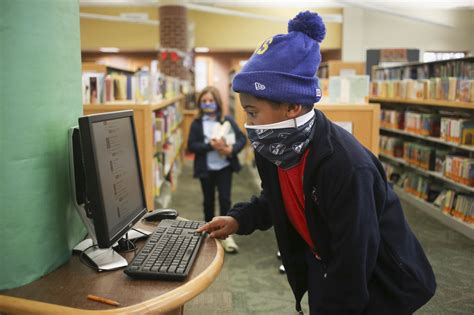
{"x": 209, "y": 107}
{"x": 283, "y": 143}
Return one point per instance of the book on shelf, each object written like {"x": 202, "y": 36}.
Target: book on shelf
{"x": 392, "y": 119}
{"x": 460, "y": 169}
{"x": 419, "y": 186}
{"x": 391, "y": 146}
{"x": 92, "y": 87}
{"x": 457, "y": 205}
{"x": 419, "y": 155}
{"x": 465, "y": 90}
{"x": 457, "y": 130}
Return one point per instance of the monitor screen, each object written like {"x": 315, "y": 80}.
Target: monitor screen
{"x": 114, "y": 186}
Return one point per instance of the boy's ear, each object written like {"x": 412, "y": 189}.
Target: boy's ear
{"x": 294, "y": 110}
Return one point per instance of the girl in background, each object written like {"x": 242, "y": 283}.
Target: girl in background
{"x": 215, "y": 149}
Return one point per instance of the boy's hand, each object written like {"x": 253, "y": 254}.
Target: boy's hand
{"x": 220, "y": 227}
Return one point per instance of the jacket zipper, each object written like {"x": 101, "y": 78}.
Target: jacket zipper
{"x": 318, "y": 258}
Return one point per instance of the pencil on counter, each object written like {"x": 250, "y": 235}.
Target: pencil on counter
{"x": 102, "y": 300}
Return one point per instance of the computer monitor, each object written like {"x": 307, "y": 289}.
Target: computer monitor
{"x": 106, "y": 177}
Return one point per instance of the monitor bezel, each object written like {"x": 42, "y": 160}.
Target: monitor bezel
{"x": 93, "y": 191}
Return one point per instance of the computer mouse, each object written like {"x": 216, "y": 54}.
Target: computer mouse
{"x": 160, "y": 214}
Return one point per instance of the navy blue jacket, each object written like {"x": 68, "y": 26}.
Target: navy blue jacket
{"x": 371, "y": 262}
{"x": 197, "y": 145}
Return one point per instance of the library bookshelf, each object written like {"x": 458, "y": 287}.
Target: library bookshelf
{"x": 150, "y": 140}
{"x": 435, "y": 212}
{"x": 428, "y": 135}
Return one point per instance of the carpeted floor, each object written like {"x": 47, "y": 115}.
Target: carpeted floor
{"x": 251, "y": 284}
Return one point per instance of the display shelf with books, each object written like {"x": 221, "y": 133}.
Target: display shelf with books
{"x": 432, "y": 210}
{"x": 427, "y": 136}
{"x": 103, "y": 84}
{"x": 158, "y": 146}
{"x": 452, "y": 208}
{"x": 434, "y": 174}
{"x": 446, "y": 83}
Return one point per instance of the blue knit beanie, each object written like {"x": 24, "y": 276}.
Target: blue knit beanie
{"x": 283, "y": 68}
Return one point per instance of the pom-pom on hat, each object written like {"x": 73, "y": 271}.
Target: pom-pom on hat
{"x": 283, "y": 68}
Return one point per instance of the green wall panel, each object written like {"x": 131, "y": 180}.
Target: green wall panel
{"x": 40, "y": 98}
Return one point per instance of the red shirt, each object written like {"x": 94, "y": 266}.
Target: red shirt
{"x": 291, "y": 185}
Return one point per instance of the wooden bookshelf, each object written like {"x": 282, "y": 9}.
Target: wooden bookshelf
{"x": 435, "y": 212}
{"x": 333, "y": 68}
{"x": 143, "y": 118}
{"x": 188, "y": 116}
{"x": 431, "y": 103}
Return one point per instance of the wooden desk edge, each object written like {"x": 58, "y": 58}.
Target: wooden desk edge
{"x": 159, "y": 305}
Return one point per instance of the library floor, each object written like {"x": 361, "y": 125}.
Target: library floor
{"x": 250, "y": 283}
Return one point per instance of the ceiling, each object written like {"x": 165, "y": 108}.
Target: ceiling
{"x": 369, "y": 4}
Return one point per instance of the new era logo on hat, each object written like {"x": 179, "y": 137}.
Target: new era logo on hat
{"x": 259, "y": 86}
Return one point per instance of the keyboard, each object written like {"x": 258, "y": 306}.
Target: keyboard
{"x": 169, "y": 252}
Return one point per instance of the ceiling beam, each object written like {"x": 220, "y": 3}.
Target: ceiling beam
{"x": 117, "y": 18}
{"x": 378, "y": 8}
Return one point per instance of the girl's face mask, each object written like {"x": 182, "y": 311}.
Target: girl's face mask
{"x": 283, "y": 143}
{"x": 208, "y": 107}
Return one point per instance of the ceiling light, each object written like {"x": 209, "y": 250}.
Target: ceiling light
{"x": 201, "y": 49}
{"x": 109, "y": 49}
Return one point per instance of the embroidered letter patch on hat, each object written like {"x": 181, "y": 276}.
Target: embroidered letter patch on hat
{"x": 259, "y": 86}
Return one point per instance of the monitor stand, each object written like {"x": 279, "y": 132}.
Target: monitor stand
{"x": 104, "y": 258}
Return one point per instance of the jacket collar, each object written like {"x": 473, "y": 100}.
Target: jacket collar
{"x": 321, "y": 146}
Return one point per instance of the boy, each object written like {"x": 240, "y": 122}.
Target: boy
{"x": 339, "y": 226}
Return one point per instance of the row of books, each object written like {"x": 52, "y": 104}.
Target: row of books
{"x": 419, "y": 186}
{"x": 454, "y": 68}
{"x": 425, "y": 124}
{"x": 164, "y": 161}
{"x": 392, "y": 146}
{"x": 450, "y": 202}
{"x": 142, "y": 86}
{"x": 448, "y": 128}
{"x": 460, "y": 169}
{"x": 455, "y": 166}
{"x": 457, "y": 130}
{"x": 421, "y": 156}
{"x": 448, "y": 89}
{"x": 165, "y": 121}
{"x": 457, "y": 205}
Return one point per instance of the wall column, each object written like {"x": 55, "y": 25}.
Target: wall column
{"x": 173, "y": 16}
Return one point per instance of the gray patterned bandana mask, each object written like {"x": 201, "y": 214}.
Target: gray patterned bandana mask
{"x": 283, "y": 143}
